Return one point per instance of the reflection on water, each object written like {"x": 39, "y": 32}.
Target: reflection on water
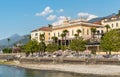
{"x": 13, "y": 71}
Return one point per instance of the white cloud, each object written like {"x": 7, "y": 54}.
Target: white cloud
{"x": 86, "y": 16}
{"x": 46, "y": 11}
{"x": 61, "y": 10}
{"x": 60, "y": 20}
{"x": 51, "y": 17}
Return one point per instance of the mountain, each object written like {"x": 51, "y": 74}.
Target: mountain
{"x": 95, "y": 19}
{"x": 100, "y": 18}
{"x": 109, "y": 16}
{"x": 13, "y": 40}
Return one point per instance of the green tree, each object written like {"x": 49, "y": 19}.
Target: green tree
{"x": 55, "y": 39}
{"x": 42, "y": 37}
{"x": 52, "y": 47}
{"x": 31, "y": 46}
{"x": 62, "y": 36}
{"x": 111, "y": 41}
{"x": 8, "y": 41}
{"x": 107, "y": 27}
{"x": 7, "y": 50}
{"x": 78, "y": 32}
{"x": 76, "y": 36}
{"x": 65, "y": 35}
{"x": 78, "y": 44}
{"x": 42, "y": 47}
{"x": 50, "y": 26}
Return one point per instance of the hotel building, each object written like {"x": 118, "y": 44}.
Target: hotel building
{"x": 71, "y": 25}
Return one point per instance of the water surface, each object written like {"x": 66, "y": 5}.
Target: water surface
{"x": 13, "y": 71}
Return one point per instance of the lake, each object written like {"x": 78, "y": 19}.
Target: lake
{"x": 13, "y": 71}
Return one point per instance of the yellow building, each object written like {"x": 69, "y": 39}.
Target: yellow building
{"x": 35, "y": 34}
{"x": 71, "y": 25}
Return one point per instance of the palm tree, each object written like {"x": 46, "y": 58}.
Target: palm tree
{"x": 55, "y": 39}
{"x": 8, "y": 41}
{"x": 50, "y": 26}
{"x": 107, "y": 27}
{"x": 93, "y": 30}
{"x": 42, "y": 37}
{"x": 65, "y": 33}
{"x": 62, "y": 36}
{"x": 78, "y": 32}
{"x": 42, "y": 43}
{"x": 76, "y": 36}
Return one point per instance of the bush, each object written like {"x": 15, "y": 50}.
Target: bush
{"x": 78, "y": 44}
{"x": 52, "y": 47}
{"x": 7, "y": 50}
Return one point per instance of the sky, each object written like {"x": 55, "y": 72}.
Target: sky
{"x": 23, "y": 16}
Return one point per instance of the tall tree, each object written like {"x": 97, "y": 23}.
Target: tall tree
{"x": 78, "y": 45}
{"x": 62, "y": 36}
{"x": 52, "y": 47}
{"x": 76, "y": 36}
{"x": 111, "y": 41}
{"x": 65, "y": 33}
{"x": 31, "y": 46}
{"x": 78, "y": 32}
{"x": 107, "y": 27}
{"x": 8, "y": 41}
{"x": 42, "y": 37}
{"x": 55, "y": 39}
{"x": 42, "y": 45}
{"x": 50, "y": 26}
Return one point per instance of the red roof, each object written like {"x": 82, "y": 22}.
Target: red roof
{"x": 97, "y": 22}
{"x": 43, "y": 29}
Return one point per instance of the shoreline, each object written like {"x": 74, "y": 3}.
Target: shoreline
{"x": 92, "y": 70}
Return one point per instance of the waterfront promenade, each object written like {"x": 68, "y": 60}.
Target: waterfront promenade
{"x": 108, "y": 70}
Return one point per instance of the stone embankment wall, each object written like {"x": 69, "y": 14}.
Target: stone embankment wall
{"x": 70, "y": 61}
{"x": 7, "y": 57}
{"x": 60, "y": 60}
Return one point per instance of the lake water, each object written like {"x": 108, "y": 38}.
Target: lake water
{"x": 13, "y": 71}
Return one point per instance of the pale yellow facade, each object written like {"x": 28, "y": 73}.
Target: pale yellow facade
{"x": 36, "y": 35}
{"x": 72, "y": 30}
{"x": 72, "y": 26}
{"x": 113, "y": 22}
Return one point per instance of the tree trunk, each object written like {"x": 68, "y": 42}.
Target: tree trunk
{"x": 109, "y": 52}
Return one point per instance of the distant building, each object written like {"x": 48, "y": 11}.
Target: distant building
{"x": 113, "y": 21}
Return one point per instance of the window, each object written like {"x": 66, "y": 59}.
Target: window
{"x": 116, "y": 24}
{"x": 112, "y": 25}
{"x": 87, "y": 31}
{"x": 36, "y": 34}
{"x": 98, "y": 32}
{"x": 102, "y": 31}
{"x": 72, "y": 32}
{"x": 49, "y": 34}
{"x": 49, "y": 38}
{"x": 54, "y": 34}
{"x": 58, "y": 34}
{"x": 68, "y": 33}
{"x": 83, "y": 31}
